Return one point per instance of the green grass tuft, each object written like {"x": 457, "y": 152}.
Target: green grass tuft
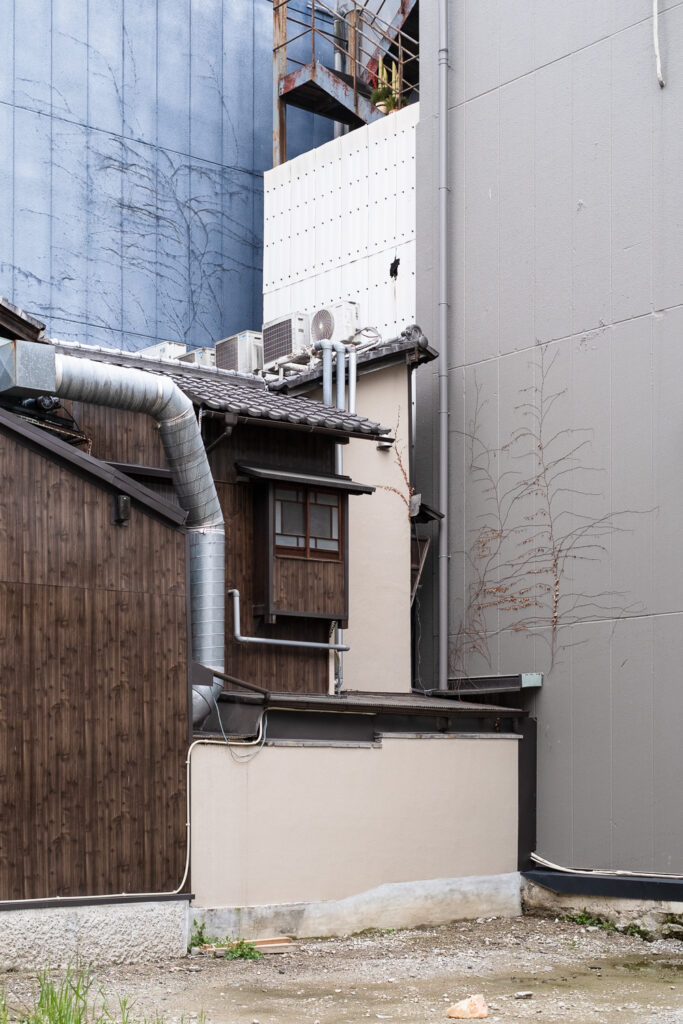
{"x": 75, "y": 999}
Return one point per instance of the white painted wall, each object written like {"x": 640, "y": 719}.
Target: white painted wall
{"x": 336, "y": 218}
{"x": 379, "y": 542}
{"x": 309, "y": 823}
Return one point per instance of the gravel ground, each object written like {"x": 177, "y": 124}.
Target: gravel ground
{"x": 574, "y": 973}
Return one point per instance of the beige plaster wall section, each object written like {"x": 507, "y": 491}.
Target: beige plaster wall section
{"x": 305, "y": 824}
{"x": 379, "y": 555}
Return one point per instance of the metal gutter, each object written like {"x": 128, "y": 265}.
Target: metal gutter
{"x": 334, "y": 481}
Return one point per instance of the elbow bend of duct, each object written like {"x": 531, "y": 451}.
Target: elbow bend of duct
{"x": 121, "y": 387}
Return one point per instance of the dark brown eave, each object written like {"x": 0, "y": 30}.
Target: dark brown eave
{"x": 277, "y": 474}
{"x": 16, "y": 324}
{"x": 341, "y": 436}
{"x": 356, "y": 702}
{"x": 388, "y": 703}
{"x": 105, "y": 474}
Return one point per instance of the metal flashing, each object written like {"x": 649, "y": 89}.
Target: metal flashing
{"x": 285, "y": 476}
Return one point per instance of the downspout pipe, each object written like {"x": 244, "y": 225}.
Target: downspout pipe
{"x": 269, "y": 641}
{"x": 325, "y": 347}
{"x": 443, "y": 345}
{"x": 340, "y": 360}
{"x": 121, "y": 387}
{"x": 353, "y": 375}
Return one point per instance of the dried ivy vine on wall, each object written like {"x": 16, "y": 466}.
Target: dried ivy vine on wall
{"x": 537, "y": 531}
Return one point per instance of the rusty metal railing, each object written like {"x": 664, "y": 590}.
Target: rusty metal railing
{"x": 361, "y": 43}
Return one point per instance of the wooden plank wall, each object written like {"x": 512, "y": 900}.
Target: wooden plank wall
{"x": 119, "y": 436}
{"x": 131, "y": 437}
{"x": 310, "y": 585}
{"x": 275, "y": 668}
{"x": 93, "y": 689}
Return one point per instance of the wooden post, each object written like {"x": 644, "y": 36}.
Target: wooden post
{"x": 279, "y": 72}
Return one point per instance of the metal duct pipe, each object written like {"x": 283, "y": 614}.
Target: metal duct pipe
{"x": 237, "y": 632}
{"x": 326, "y": 347}
{"x": 121, "y": 387}
{"x": 443, "y": 344}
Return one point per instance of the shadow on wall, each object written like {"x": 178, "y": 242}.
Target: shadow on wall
{"x": 541, "y": 523}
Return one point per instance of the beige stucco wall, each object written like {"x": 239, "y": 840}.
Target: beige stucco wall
{"x": 298, "y": 824}
{"x": 379, "y": 556}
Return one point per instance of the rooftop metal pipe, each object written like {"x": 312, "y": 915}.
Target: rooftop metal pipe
{"x": 237, "y": 632}
{"x": 443, "y": 344}
{"x": 340, "y": 359}
{"x": 353, "y": 374}
{"x": 122, "y": 387}
{"x": 326, "y": 347}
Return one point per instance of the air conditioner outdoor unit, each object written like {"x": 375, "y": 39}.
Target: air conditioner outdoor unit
{"x": 286, "y": 336}
{"x": 198, "y": 357}
{"x": 242, "y": 352}
{"x": 338, "y": 322}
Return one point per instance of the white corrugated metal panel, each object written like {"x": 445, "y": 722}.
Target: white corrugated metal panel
{"x": 335, "y": 219}
{"x": 303, "y": 203}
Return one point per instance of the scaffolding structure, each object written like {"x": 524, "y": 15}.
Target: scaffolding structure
{"x": 344, "y": 50}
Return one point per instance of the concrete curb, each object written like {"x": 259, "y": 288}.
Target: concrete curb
{"x": 393, "y": 905}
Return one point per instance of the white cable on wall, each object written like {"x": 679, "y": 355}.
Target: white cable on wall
{"x": 655, "y": 39}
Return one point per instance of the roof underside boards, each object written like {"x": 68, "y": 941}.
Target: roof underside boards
{"x": 16, "y": 323}
{"x": 240, "y": 395}
{"x": 322, "y": 480}
{"x": 102, "y": 472}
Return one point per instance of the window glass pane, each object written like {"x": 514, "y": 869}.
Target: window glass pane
{"x": 320, "y": 521}
{"x": 283, "y": 541}
{"x": 278, "y": 517}
{"x": 288, "y": 494}
{"x": 335, "y": 523}
{"x": 325, "y": 499}
{"x": 293, "y": 518}
{"x": 326, "y": 545}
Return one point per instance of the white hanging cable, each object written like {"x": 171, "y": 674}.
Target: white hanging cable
{"x": 655, "y": 38}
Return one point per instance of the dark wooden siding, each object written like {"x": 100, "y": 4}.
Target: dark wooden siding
{"x": 276, "y": 668}
{"x": 119, "y": 436}
{"x": 309, "y": 585}
{"x": 93, "y": 689}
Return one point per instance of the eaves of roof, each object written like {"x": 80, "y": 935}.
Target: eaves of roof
{"x": 245, "y": 397}
{"x": 102, "y": 472}
{"x": 411, "y": 347}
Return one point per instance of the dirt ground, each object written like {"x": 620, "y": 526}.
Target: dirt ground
{"x": 574, "y": 973}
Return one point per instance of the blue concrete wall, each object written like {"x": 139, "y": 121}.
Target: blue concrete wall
{"x": 133, "y": 139}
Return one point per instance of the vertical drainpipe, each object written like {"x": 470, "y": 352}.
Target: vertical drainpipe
{"x": 340, "y": 354}
{"x": 443, "y": 343}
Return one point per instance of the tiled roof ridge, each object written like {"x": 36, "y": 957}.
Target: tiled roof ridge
{"x": 228, "y": 391}
{"x": 163, "y": 363}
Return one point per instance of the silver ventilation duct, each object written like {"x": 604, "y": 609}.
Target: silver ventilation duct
{"x": 26, "y": 367}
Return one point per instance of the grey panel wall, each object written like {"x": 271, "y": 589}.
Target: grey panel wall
{"x": 566, "y": 363}
{"x": 134, "y": 139}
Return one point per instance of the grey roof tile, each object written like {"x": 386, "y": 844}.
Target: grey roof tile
{"x": 226, "y": 391}
{"x": 246, "y": 401}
